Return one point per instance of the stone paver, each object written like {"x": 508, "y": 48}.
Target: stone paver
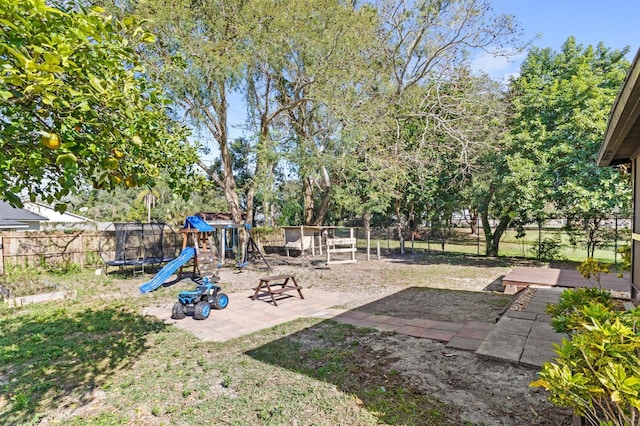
{"x": 517, "y": 326}
{"x": 531, "y": 316}
{"x": 245, "y": 316}
{"x": 502, "y": 345}
{"x": 464, "y": 343}
{"x": 535, "y": 354}
{"x": 472, "y": 333}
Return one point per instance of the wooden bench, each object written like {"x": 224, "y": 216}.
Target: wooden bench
{"x": 266, "y": 286}
{"x": 341, "y": 245}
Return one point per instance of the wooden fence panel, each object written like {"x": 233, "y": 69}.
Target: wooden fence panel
{"x": 42, "y": 249}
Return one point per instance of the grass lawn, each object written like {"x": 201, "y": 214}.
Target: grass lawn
{"x": 96, "y": 360}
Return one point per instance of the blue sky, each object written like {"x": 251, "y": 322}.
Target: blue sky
{"x": 616, "y": 23}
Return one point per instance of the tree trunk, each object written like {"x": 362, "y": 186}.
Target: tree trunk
{"x": 492, "y": 238}
{"x": 473, "y": 222}
{"x": 227, "y": 183}
{"x": 323, "y": 209}
{"x": 593, "y": 225}
{"x": 366, "y": 222}
{"x": 503, "y": 224}
{"x": 488, "y": 235}
{"x": 307, "y": 191}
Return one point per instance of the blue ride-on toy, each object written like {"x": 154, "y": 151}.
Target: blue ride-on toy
{"x": 199, "y": 302}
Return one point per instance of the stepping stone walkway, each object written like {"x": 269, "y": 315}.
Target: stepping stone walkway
{"x": 523, "y": 337}
{"x": 526, "y": 336}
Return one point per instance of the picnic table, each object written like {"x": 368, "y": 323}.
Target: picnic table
{"x": 285, "y": 282}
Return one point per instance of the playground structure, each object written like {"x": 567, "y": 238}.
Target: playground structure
{"x": 137, "y": 245}
{"x": 229, "y": 241}
{"x": 198, "y": 233}
{"x": 200, "y": 249}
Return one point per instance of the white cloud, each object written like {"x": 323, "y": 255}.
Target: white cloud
{"x": 498, "y": 66}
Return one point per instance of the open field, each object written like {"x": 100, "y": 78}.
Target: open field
{"x": 98, "y": 360}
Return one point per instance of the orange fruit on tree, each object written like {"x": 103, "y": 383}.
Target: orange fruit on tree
{"x": 115, "y": 178}
{"x": 130, "y": 181}
{"x": 110, "y": 163}
{"x": 52, "y": 141}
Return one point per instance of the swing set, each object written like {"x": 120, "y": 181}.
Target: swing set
{"x": 230, "y": 245}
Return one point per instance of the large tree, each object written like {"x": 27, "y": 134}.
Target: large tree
{"x": 77, "y": 106}
{"x": 307, "y": 60}
{"x": 199, "y": 59}
{"x": 560, "y": 105}
{"x": 425, "y": 51}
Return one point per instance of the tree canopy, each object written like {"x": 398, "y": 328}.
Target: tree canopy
{"x": 560, "y": 105}
{"x": 77, "y": 107}
{"x": 354, "y": 109}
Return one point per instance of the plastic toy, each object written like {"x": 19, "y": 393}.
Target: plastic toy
{"x": 199, "y": 302}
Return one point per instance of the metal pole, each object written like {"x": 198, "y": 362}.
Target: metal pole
{"x": 539, "y": 238}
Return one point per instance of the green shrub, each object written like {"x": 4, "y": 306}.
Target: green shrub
{"x": 22, "y": 281}
{"x": 597, "y": 372}
{"x": 576, "y": 306}
{"x": 63, "y": 268}
{"x": 591, "y": 268}
{"x": 548, "y": 249}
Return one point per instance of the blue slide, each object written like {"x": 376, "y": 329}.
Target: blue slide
{"x": 169, "y": 269}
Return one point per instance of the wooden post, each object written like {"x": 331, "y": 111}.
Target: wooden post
{"x": 301, "y": 241}
{"x": 353, "y": 253}
{"x": 368, "y": 245}
{"x": 222, "y": 253}
{"x": 378, "y": 250}
{"x": 328, "y": 252}
{"x": 81, "y": 250}
{"x": 313, "y": 244}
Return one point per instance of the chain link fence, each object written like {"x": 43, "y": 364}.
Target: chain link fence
{"x": 549, "y": 241}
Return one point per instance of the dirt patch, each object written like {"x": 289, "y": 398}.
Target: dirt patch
{"x": 477, "y": 390}
{"x": 429, "y": 286}
{"x": 441, "y": 305}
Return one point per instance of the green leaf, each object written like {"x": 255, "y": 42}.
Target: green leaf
{"x": 60, "y": 208}
{"x": 96, "y": 83}
{"x": 13, "y": 199}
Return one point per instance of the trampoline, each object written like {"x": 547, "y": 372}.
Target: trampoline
{"x": 138, "y": 245}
